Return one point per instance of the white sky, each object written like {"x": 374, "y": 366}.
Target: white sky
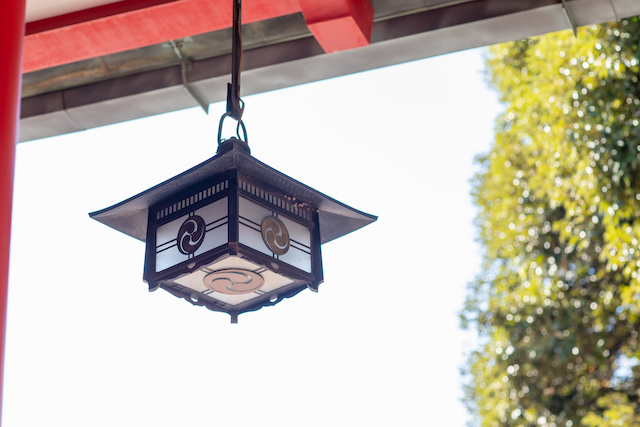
{"x": 379, "y": 345}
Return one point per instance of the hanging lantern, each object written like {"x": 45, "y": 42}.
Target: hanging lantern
{"x": 233, "y": 234}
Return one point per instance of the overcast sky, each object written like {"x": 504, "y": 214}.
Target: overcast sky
{"x": 88, "y": 345}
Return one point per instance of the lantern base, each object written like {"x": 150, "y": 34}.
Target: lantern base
{"x": 232, "y": 285}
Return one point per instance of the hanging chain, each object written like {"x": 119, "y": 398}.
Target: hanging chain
{"x": 235, "y": 105}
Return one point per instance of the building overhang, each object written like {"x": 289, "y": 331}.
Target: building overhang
{"x": 136, "y": 58}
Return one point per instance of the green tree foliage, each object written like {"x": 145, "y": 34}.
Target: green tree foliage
{"x": 557, "y": 306}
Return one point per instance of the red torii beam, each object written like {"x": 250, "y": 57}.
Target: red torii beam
{"x": 129, "y": 24}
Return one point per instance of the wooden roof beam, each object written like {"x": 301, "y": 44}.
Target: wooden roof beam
{"x": 339, "y": 24}
{"x": 137, "y": 28}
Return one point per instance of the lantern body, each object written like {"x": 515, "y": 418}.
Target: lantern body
{"x": 233, "y": 244}
{"x": 233, "y": 234}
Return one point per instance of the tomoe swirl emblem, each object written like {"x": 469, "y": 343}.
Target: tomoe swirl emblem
{"x": 191, "y": 234}
{"x": 233, "y": 281}
{"x": 275, "y": 235}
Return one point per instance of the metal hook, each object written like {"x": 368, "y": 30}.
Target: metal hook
{"x": 239, "y": 125}
{"x": 235, "y": 105}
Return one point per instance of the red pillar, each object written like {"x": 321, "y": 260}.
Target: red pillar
{"x": 11, "y": 36}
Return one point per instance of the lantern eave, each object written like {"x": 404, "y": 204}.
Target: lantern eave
{"x": 130, "y": 216}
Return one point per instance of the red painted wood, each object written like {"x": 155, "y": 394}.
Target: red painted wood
{"x": 90, "y": 14}
{"x": 11, "y": 34}
{"x": 143, "y": 27}
{"x": 339, "y": 24}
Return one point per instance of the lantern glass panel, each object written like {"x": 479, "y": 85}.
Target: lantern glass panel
{"x": 298, "y": 243}
{"x": 251, "y": 216}
{"x": 196, "y": 280}
{"x": 299, "y": 253}
{"x": 215, "y": 220}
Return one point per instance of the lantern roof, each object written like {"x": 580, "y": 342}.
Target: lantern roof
{"x": 131, "y": 216}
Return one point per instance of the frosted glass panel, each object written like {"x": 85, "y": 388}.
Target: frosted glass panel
{"x": 297, "y": 257}
{"x": 215, "y": 217}
{"x": 214, "y": 238}
{"x": 167, "y": 232}
{"x": 297, "y": 232}
{"x": 299, "y": 251}
{"x": 253, "y": 238}
{"x": 253, "y": 212}
{"x": 214, "y": 211}
{"x": 169, "y": 257}
{"x": 195, "y": 280}
{"x": 273, "y": 281}
{"x": 167, "y": 253}
{"x": 250, "y": 225}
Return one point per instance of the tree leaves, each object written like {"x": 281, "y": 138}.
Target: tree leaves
{"x": 557, "y": 303}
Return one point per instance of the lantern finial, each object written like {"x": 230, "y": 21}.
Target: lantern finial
{"x": 232, "y": 143}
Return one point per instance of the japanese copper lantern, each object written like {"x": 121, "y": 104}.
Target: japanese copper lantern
{"x": 233, "y": 234}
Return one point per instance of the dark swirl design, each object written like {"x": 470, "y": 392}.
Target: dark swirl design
{"x": 191, "y": 235}
{"x": 233, "y": 281}
{"x": 275, "y": 235}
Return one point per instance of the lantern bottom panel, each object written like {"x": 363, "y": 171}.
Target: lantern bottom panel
{"x": 233, "y": 285}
